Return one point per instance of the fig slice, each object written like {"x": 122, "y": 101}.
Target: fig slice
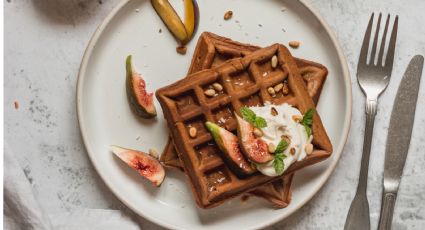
{"x": 255, "y": 149}
{"x": 170, "y": 18}
{"x": 140, "y": 101}
{"x": 146, "y": 165}
{"x": 228, "y": 143}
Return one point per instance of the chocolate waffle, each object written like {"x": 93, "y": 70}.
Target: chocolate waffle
{"x": 212, "y": 50}
{"x": 185, "y": 105}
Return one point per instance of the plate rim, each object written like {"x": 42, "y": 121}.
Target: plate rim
{"x": 337, "y": 153}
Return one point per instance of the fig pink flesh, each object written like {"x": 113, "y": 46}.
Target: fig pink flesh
{"x": 143, "y": 98}
{"x": 143, "y": 163}
{"x": 254, "y": 148}
{"x": 231, "y": 141}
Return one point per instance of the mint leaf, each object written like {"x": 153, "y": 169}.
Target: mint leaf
{"x": 279, "y": 156}
{"x": 307, "y": 130}
{"x": 278, "y": 163}
{"x": 308, "y": 117}
{"x": 307, "y": 121}
{"x": 248, "y": 114}
{"x": 281, "y": 147}
{"x": 251, "y": 117}
{"x": 260, "y": 122}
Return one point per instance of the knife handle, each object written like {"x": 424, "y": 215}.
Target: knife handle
{"x": 387, "y": 210}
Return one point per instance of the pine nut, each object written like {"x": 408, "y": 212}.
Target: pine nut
{"x": 274, "y": 111}
{"x": 278, "y": 87}
{"x": 218, "y": 87}
{"x": 228, "y": 15}
{"x": 181, "y": 50}
{"x": 274, "y": 61}
{"x": 294, "y": 44}
{"x": 308, "y": 148}
{"x": 153, "y": 153}
{"x": 271, "y": 148}
{"x": 271, "y": 91}
{"x": 210, "y": 92}
{"x": 192, "y": 132}
{"x": 285, "y": 89}
{"x": 297, "y": 118}
{"x": 258, "y": 132}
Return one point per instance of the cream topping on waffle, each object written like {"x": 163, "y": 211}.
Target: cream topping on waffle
{"x": 281, "y": 124}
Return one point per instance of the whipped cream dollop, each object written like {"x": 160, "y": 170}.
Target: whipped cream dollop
{"x": 281, "y": 124}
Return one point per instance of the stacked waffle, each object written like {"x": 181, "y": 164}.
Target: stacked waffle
{"x": 245, "y": 72}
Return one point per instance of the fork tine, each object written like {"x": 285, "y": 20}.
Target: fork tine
{"x": 384, "y": 37}
{"x": 391, "y": 47}
{"x": 375, "y": 41}
{"x": 365, "y": 45}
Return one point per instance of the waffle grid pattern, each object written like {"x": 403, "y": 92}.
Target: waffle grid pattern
{"x": 212, "y": 181}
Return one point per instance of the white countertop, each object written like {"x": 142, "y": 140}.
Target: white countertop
{"x": 44, "y": 44}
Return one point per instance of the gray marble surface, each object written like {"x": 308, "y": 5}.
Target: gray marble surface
{"x": 44, "y": 44}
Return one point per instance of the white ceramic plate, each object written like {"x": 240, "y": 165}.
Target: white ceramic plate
{"x": 105, "y": 118}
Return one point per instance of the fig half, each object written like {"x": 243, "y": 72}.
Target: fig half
{"x": 147, "y": 166}
{"x": 170, "y": 18}
{"x": 255, "y": 149}
{"x": 181, "y": 31}
{"x": 229, "y": 145}
{"x": 140, "y": 101}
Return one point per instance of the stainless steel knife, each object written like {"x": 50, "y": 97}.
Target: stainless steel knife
{"x": 398, "y": 140}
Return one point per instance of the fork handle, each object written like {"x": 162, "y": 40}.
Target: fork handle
{"x": 371, "y": 106}
{"x": 387, "y": 210}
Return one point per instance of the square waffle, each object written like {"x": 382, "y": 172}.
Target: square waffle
{"x": 185, "y": 105}
{"x": 212, "y": 50}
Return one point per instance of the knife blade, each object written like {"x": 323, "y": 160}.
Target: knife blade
{"x": 401, "y": 124}
{"x": 398, "y": 139}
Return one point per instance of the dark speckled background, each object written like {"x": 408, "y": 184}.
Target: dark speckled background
{"x": 44, "y": 44}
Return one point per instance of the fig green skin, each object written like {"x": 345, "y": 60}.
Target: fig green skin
{"x": 228, "y": 144}
{"x": 254, "y": 148}
{"x": 145, "y": 111}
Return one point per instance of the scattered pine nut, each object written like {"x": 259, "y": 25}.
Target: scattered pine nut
{"x": 308, "y": 148}
{"x": 271, "y": 147}
{"x": 258, "y": 132}
{"x": 292, "y": 151}
{"x": 218, "y": 87}
{"x": 278, "y": 87}
{"x": 297, "y": 118}
{"x": 181, "y": 50}
{"x": 210, "y": 92}
{"x": 153, "y": 153}
{"x": 294, "y": 44}
{"x": 274, "y": 61}
{"x": 193, "y": 132}
{"x": 271, "y": 91}
{"x": 285, "y": 89}
{"x": 274, "y": 111}
{"x": 228, "y": 15}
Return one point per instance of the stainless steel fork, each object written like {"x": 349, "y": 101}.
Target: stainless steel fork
{"x": 373, "y": 77}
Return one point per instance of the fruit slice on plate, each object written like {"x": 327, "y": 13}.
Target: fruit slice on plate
{"x": 181, "y": 31}
{"x": 255, "y": 149}
{"x": 140, "y": 101}
{"x": 146, "y": 165}
{"x": 229, "y": 145}
{"x": 191, "y": 17}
